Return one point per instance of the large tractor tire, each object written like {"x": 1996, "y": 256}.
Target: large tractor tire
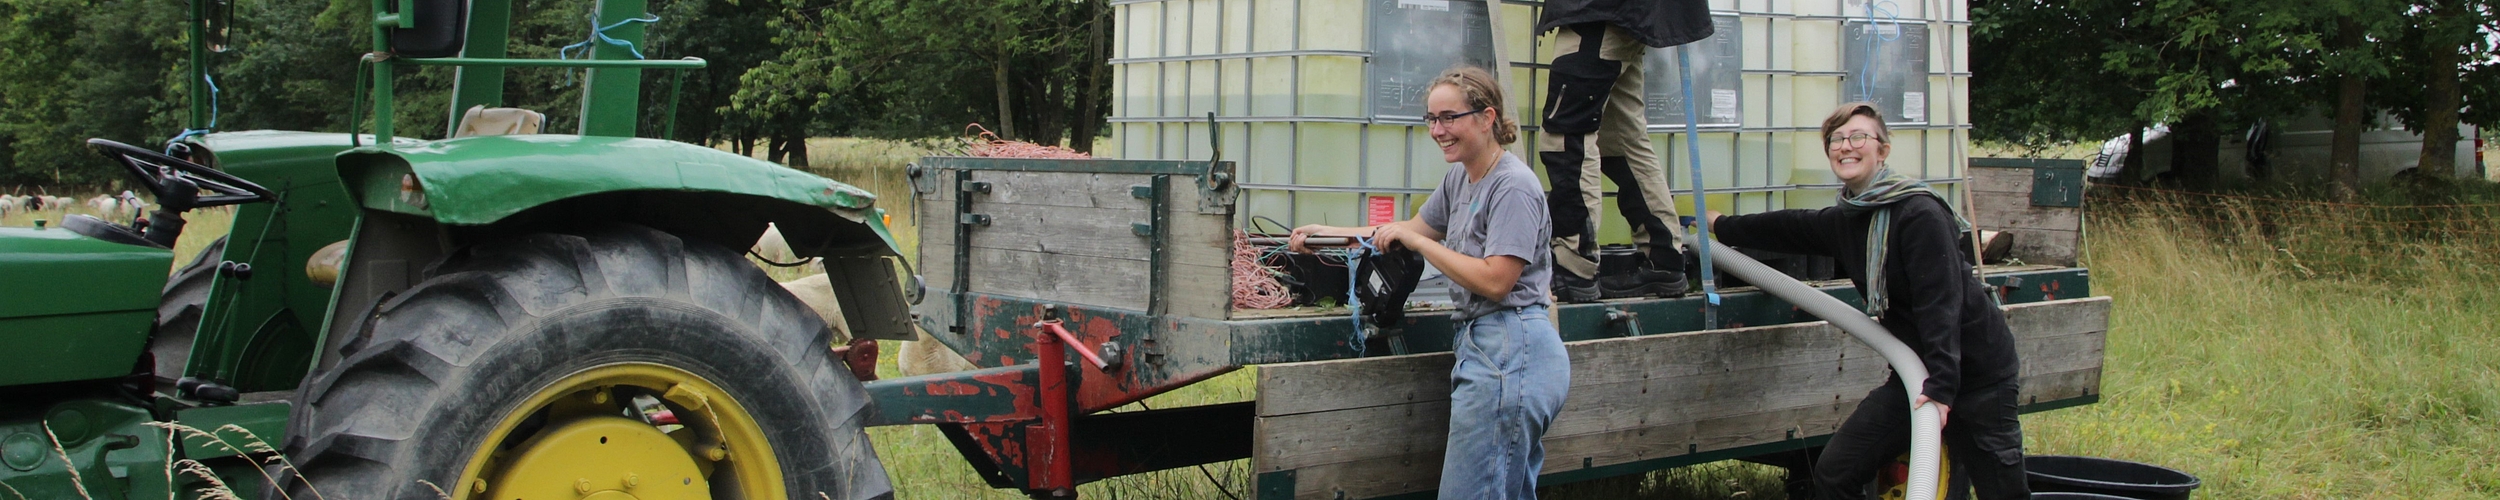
{"x": 178, "y": 312}
{"x": 618, "y": 362}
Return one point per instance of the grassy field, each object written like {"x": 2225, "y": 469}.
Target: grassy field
{"x": 2276, "y": 348}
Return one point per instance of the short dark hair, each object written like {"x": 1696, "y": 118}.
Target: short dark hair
{"x": 1841, "y": 116}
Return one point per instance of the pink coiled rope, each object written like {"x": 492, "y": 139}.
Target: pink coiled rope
{"x": 1254, "y": 284}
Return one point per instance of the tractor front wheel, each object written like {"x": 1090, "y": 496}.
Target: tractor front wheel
{"x": 614, "y": 363}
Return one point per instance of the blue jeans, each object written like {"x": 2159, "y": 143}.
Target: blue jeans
{"x": 1508, "y": 383}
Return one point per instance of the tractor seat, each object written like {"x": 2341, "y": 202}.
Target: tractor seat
{"x": 100, "y": 229}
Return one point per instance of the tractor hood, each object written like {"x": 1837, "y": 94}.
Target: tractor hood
{"x": 76, "y": 307}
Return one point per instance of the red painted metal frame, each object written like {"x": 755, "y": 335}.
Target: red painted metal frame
{"x": 1050, "y": 457}
{"x": 1052, "y": 326}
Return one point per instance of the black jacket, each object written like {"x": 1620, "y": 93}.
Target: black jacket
{"x": 1937, "y": 307}
{"x": 1656, "y": 23}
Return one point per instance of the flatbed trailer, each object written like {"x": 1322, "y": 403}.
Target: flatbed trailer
{"x": 1126, "y": 262}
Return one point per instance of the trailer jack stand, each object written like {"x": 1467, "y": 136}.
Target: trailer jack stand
{"x": 1053, "y": 474}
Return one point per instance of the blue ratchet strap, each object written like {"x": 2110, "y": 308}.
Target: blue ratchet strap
{"x": 1363, "y": 249}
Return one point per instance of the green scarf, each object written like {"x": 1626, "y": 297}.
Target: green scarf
{"x": 1888, "y": 187}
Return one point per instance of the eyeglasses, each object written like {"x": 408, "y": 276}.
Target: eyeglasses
{"x": 1444, "y": 119}
{"x": 1856, "y": 140}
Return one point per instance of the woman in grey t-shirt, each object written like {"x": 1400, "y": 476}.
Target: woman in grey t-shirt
{"x": 1486, "y": 228}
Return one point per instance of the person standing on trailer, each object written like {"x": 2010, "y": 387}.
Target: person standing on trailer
{"x": 1485, "y": 227}
{"x": 1901, "y": 244}
{"x": 1596, "y": 123}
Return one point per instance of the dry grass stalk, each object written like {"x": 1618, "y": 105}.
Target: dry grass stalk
{"x": 438, "y": 490}
{"x": 217, "y": 489}
{"x": 66, "y": 464}
{"x": 254, "y": 445}
{"x": 13, "y": 490}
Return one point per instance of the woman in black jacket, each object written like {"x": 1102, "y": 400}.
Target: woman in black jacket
{"x": 1900, "y": 243}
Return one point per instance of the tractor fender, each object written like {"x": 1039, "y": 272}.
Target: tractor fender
{"x": 479, "y": 181}
{"x": 519, "y": 184}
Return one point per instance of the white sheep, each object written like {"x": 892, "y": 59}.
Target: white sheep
{"x": 772, "y": 247}
{"x": 131, "y": 203}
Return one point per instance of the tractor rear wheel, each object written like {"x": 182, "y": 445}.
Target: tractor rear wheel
{"x": 178, "y": 313}
{"x": 620, "y": 362}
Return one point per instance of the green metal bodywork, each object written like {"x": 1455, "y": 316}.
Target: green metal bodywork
{"x": 116, "y": 453}
{"x": 79, "y": 308}
{"x": 255, "y": 334}
{"x": 480, "y": 180}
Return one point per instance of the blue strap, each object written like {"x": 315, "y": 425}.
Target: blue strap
{"x": 1878, "y": 14}
{"x": 599, "y": 34}
{"x": 1363, "y": 249}
{"x": 212, "y": 117}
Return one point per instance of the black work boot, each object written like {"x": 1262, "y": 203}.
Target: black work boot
{"x": 1571, "y": 288}
{"x": 1648, "y": 280}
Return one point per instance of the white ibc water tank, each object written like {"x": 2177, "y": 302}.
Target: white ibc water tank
{"x": 1320, "y": 99}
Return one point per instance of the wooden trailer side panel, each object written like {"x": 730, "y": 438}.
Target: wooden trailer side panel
{"x": 2039, "y": 202}
{"x": 1364, "y": 428}
{"x": 1078, "y": 237}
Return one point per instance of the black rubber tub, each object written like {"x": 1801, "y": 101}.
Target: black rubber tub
{"x": 2108, "y": 477}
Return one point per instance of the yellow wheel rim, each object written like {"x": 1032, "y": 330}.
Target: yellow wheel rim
{"x": 578, "y": 438}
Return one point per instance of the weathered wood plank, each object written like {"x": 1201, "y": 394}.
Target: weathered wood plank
{"x": 1201, "y": 246}
{"x": 1632, "y": 399}
{"x": 936, "y": 266}
{"x": 1601, "y": 408}
{"x": 1074, "y": 279}
{"x": 2016, "y": 213}
{"x": 1418, "y": 468}
{"x": 936, "y": 217}
{"x": 1062, "y": 189}
{"x": 2047, "y": 246}
{"x": 1200, "y": 291}
{"x": 2058, "y": 317}
{"x": 1321, "y": 385}
{"x": 1092, "y": 232}
{"x": 2001, "y": 180}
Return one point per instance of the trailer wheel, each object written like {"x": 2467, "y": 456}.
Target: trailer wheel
{"x": 620, "y": 362}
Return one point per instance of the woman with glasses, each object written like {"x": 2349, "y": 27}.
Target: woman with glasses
{"x": 1486, "y": 228}
{"x": 1902, "y": 245}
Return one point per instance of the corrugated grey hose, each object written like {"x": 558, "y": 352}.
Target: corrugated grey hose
{"x": 1926, "y": 425}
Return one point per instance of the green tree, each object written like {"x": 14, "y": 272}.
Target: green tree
{"x": 71, "y": 70}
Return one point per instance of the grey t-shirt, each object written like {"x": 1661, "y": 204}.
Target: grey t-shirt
{"x": 1502, "y": 214}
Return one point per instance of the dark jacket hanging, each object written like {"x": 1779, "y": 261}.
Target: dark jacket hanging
{"x": 1656, "y": 23}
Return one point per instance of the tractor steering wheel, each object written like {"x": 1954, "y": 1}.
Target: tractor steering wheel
{"x": 177, "y": 183}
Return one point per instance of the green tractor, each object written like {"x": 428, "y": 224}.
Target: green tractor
{"x": 493, "y": 316}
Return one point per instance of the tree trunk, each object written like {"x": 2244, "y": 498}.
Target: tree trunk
{"x": 1088, "y": 120}
{"x": 1006, "y": 107}
{"x": 2134, "y": 169}
{"x": 2440, "y": 101}
{"x": 794, "y": 152}
{"x": 2344, "y": 153}
{"x": 2196, "y": 150}
{"x": 1048, "y": 103}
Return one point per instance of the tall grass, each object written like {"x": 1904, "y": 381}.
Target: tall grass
{"x": 2282, "y": 348}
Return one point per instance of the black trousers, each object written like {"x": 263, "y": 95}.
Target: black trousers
{"x": 1982, "y": 434}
